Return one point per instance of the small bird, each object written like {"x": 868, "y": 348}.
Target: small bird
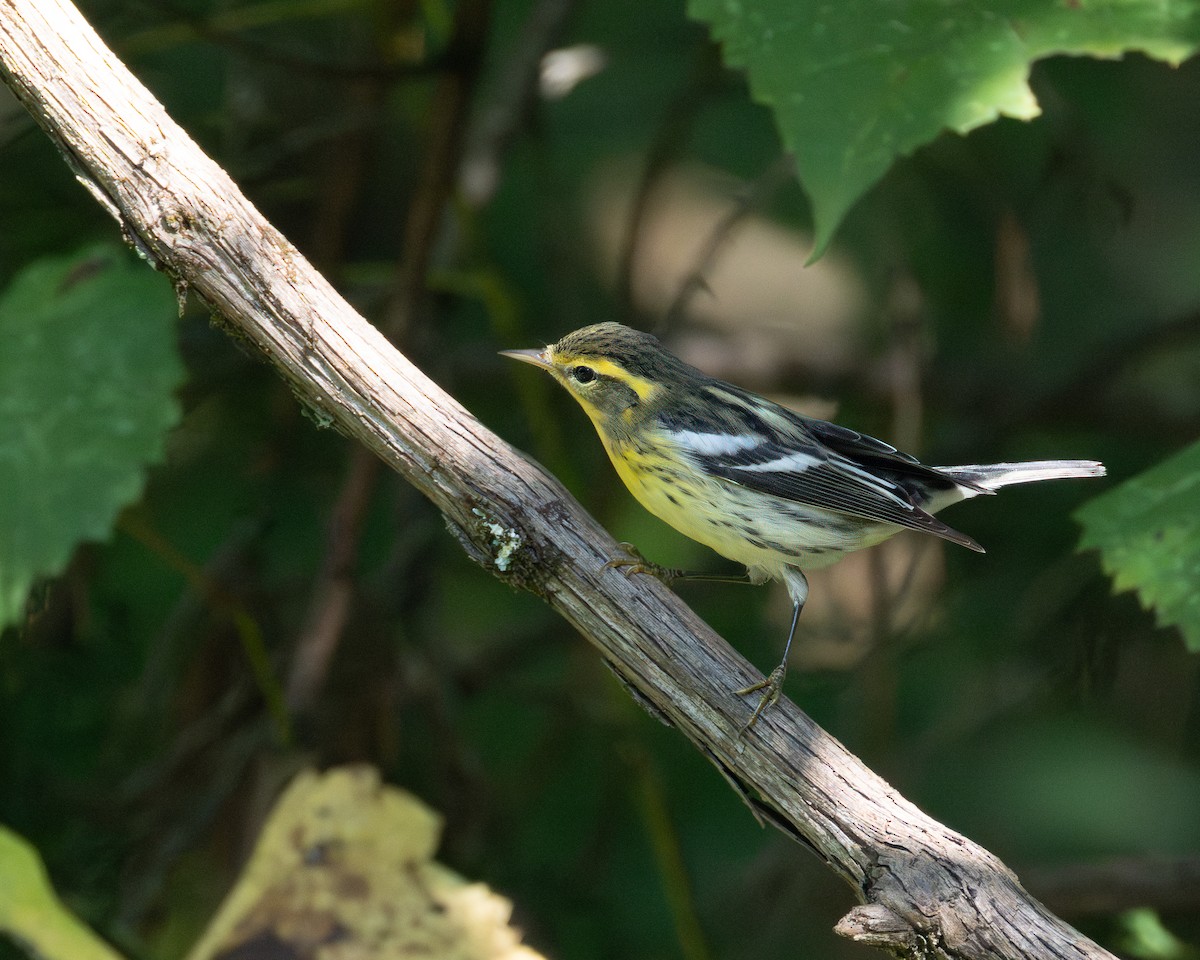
{"x": 758, "y": 483}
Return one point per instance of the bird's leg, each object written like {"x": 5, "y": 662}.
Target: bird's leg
{"x": 772, "y": 684}
{"x": 797, "y": 585}
{"x": 636, "y": 563}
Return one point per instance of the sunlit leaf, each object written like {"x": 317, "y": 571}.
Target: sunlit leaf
{"x": 856, "y": 84}
{"x": 32, "y": 914}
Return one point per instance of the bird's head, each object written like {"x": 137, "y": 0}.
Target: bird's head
{"x": 615, "y": 372}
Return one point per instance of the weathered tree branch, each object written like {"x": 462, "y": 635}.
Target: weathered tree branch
{"x": 928, "y": 891}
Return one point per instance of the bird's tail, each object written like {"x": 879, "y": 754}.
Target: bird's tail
{"x": 987, "y": 478}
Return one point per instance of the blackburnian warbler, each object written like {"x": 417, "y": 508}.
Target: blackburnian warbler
{"x": 756, "y": 482}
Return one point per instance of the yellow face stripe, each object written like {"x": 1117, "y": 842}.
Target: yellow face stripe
{"x": 644, "y": 388}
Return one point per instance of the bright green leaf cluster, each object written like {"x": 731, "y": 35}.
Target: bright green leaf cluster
{"x": 856, "y": 84}
{"x": 1148, "y": 532}
{"x": 88, "y": 370}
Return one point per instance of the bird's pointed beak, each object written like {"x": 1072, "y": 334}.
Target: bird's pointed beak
{"x": 536, "y": 357}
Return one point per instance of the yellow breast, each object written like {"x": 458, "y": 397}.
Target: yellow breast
{"x": 763, "y": 532}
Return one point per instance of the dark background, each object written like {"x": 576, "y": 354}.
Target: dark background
{"x": 1027, "y": 291}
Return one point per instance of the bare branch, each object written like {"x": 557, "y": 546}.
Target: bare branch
{"x": 932, "y": 892}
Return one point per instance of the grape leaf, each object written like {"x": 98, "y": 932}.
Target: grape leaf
{"x": 1148, "y": 534}
{"x": 87, "y": 373}
{"x": 855, "y": 84}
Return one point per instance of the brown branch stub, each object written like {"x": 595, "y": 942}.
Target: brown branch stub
{"x": 950, "y": 894}
{"x": 875, "y": 925}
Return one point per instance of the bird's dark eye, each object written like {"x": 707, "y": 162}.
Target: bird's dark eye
{"x": 583, "y": 374}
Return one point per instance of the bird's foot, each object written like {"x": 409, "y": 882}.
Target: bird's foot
{"x": 771, "y": 687}
{"x": 634, "y": 563}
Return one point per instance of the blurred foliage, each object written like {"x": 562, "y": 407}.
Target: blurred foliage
{"x": 32, "y": 914}
{"x": 1027, "y": 290}
{"x": 1148, "y": 939}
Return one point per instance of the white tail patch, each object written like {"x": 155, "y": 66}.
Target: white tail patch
{"x": 993, "y": 476}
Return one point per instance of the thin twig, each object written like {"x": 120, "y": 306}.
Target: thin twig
{"x": 668, "y": 143}
{"x": 334, "y": 591}
{"x": 745, "y": 201}
{"x": 449, "y": 111}
{"x": 212, "y": 30}
{"x": 1166, "y": 884}
{"x": 511, "y": 101}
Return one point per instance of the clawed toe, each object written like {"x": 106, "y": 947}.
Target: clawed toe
{"x": 635, "y": 563}
{"x": 771, "y": 687}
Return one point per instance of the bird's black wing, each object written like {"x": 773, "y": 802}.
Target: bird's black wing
{"x": 770, "y": 449}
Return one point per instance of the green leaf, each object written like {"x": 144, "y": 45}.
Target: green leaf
{"x": 855, "y": 84}
{"x": 1148, "y": 938}
{"x": 88, "y": 368}
{"x": 1148, "y": 532}
{"x": 32, "y": 914}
